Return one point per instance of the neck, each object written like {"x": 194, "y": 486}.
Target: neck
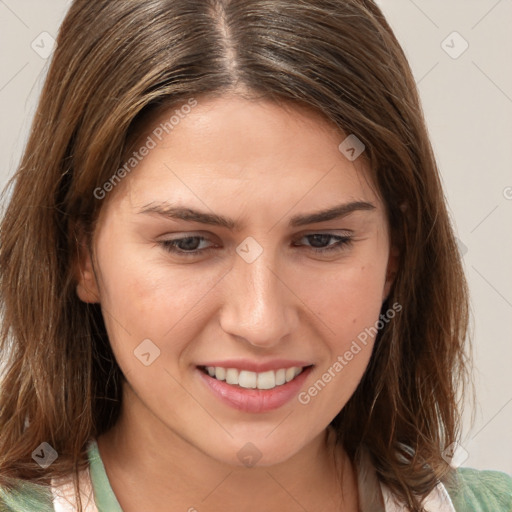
{"x": 149, "y": 467}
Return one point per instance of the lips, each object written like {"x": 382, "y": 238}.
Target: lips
{"x": 254, "y": 391}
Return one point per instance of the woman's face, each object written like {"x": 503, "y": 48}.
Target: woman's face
{"x": 208, "y": 261}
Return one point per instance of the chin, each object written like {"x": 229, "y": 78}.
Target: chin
{"x": 258, "y": 452}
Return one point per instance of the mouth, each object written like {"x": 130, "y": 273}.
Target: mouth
{"x": 251, "y": 391}
{"x": 246, "y": 379}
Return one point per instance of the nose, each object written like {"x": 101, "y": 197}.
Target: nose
{"x": 259, "y": 306}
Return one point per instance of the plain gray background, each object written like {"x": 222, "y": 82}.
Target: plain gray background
{"x": 467, "y": 99}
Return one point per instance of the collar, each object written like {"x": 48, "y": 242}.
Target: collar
{"x": 375, "y": 496}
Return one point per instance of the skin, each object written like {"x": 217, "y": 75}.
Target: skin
{"x": 258, "y": 163}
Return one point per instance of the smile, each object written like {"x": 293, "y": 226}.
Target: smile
{"x": 254, "y": 391}
{"x": 253, "y": 380}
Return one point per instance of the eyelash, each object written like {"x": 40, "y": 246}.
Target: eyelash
{"x": 170, "y": 245}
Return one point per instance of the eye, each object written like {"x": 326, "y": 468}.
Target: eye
{"x": 320, "y": 239}
{"x": 187, "y": 246}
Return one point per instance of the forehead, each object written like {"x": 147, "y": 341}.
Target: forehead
{"x": 231, "y": 150}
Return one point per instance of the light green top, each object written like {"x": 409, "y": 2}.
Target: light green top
{"x": 105, "y": 498}
{"x": 476, "y": 491}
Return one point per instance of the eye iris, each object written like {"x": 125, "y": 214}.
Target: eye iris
{"x": 323, "y": 238}
{"x": 187, "y": 246}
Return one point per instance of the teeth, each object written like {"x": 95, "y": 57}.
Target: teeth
{"x": 247, "y": 379}
{"x": 290, "y": 374}
{"x": 231, "y": 376}
{"x": 252, "y": 380}
{"x": 267, "y": 380}
{"x": 280, "y": 377}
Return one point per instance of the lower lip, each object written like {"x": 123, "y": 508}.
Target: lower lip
{"x": 255, "y": 400}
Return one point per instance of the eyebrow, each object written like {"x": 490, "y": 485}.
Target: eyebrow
{"x": 212, "y": 219}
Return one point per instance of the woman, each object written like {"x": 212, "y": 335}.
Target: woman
{"x": 229, "y": 280}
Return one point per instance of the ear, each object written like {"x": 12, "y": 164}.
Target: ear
{"x": 87, "y": 286}
{"x": 391, "y": 271}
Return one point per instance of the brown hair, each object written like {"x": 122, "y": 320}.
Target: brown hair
{"x": 115, "y": 63}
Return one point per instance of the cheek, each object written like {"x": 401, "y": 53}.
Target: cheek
{"x": 143, "y": 298}
{"x": 347, "y": 299}
{"x": 348, "y": 303}
{"x": 349, "y": 307}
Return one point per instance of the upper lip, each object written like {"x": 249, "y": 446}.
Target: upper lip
{"x": 257, "y": 366}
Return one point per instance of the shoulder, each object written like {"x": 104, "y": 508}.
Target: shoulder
{"x": 480, "y": 491}
{"x": 25, "y": 497}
